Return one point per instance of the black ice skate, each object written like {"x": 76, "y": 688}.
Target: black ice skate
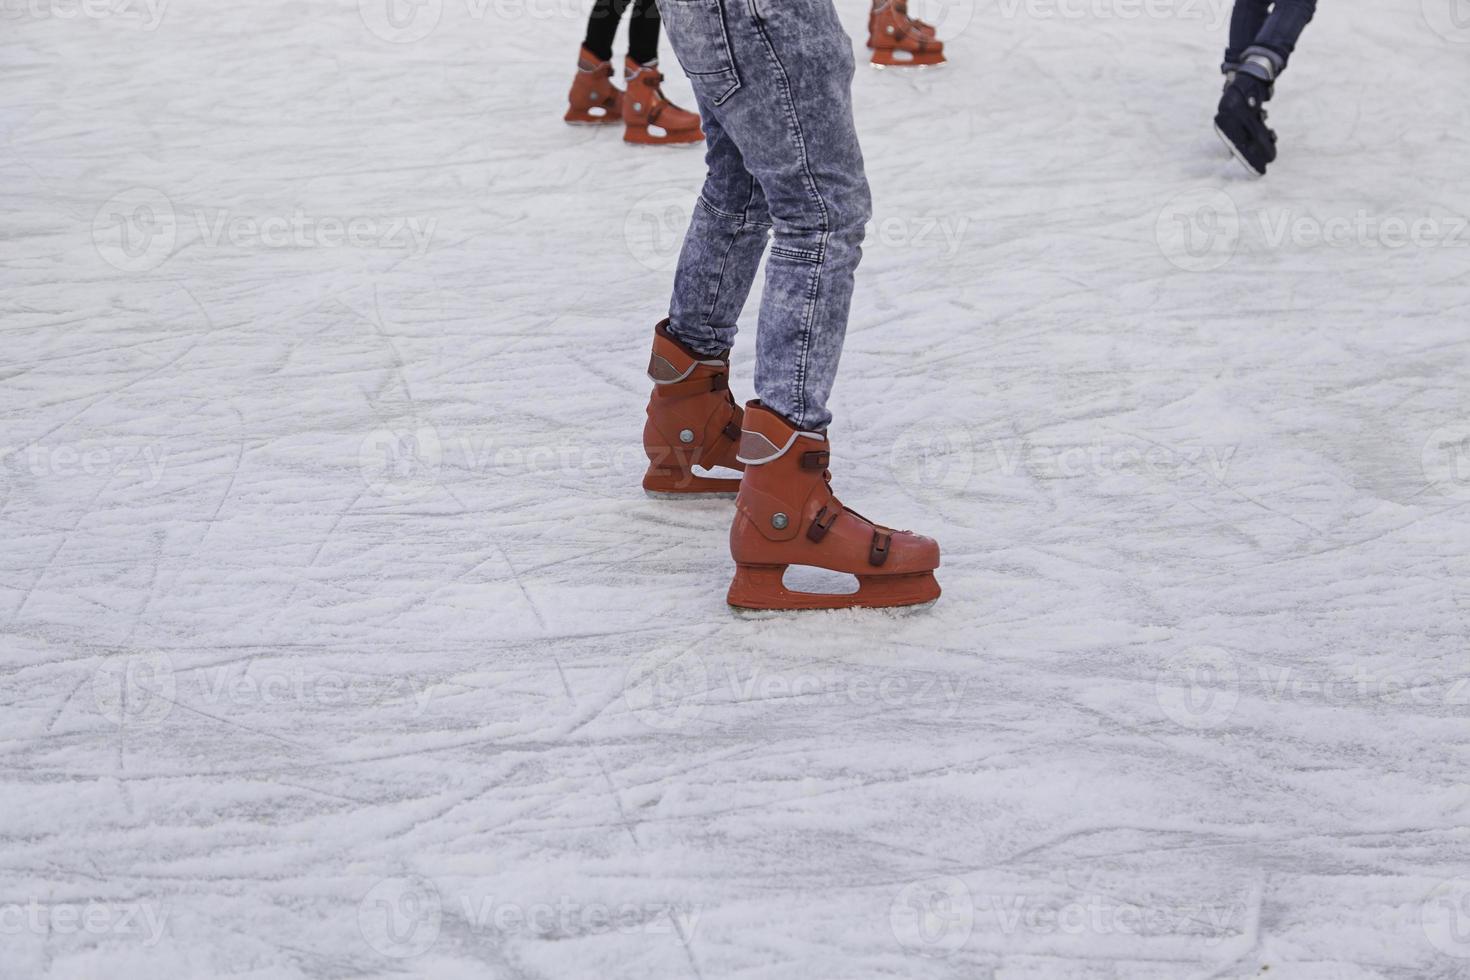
{"x": 1241, "y": 118}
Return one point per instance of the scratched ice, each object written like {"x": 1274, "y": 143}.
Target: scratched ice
{"x": 337, "y": 639}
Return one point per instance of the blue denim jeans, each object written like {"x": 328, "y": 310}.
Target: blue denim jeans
{"x": 773, "y": 79}
{"x": 1272, "y": 24}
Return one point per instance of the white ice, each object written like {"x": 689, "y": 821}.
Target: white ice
{"x": 337, "y": 638}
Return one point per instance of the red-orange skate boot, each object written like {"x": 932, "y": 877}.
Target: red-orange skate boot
{"x": 594, "y": 99}
{"x": 651, "y": 119}
{"x": 899, "y": 41}
{"x": 692, "y": 420}
{"x": 787, "y": 515}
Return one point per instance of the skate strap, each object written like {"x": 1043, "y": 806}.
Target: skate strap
{"x": 878, "y": 550}
{"x": 815, "y": 460}
{"x": 822, "y": 523}
{"x": 731, "y": 431}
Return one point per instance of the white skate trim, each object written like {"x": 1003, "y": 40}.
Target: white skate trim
{"x": 687, "y": 372}
{"x": 1239, "y": 157}
{"x": 776, "y": 453}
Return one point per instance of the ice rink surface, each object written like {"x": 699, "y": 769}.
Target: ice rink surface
{"x": 337, "y": 638}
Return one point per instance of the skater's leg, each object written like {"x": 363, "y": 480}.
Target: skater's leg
{"x": 778, "y": 81}
{"x": 1246, "y": 19}
{"x": 602, "y": 27}
{"x": 643, "y": 31}
{"x": 722, "y": 249}
{"x": 1282, "y": 29}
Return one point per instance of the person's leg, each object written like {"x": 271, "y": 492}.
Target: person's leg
{"x": 1283, "y": 27}
{"x": 1246, "y": 19}
{"x": 643, "y": 32}
{"x": 722, "y": 249}
{"x": 602, "y": 27}
{"x": 776, "y": 77}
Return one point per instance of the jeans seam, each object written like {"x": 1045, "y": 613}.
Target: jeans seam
{"x": 814, "y": 283}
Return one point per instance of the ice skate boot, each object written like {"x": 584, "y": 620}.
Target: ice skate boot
{"x": 898, "y": 41}
{"x": 1240, "y": 120}
{"x": 692, "y": 420}
{"x": 594, "y": 100}
{"x": 649, "y": 118}
{"x": 918, "y": 26}
{"x": 787, "y": 515}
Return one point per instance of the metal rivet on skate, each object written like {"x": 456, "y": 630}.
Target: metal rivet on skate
{"x": 686, "y": 435}
{"x": 779, "y": 521}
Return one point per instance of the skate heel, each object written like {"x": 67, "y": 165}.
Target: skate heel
{"x": 640, "y": 135}
{"x": 763, "y": 587}
{"x": 594, "y": 116}
{"x": 899, "y": 58}
{"x": 669, "y": 481}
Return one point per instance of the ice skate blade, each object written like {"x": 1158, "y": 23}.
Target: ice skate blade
{"x": 906, "y": 65}
{"x": 1239, "y": 157}
{"x": 641, "y": 137}
{"x": 666, "y": 484}
{"x": 691, "y": 494}
{"x": 885, "y": 58}
{"x": 760, "y": 588}
{"x": 755, "y": 615}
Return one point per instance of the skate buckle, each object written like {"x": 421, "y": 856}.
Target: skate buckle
{"x": 878, "y": 552}
{"x": 819, "y": 527}
{"x": 779, "y": 521}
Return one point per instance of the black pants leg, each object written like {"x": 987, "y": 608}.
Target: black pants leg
{"x": 1269, "y": 25}
{"x": 643, "y": 29}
